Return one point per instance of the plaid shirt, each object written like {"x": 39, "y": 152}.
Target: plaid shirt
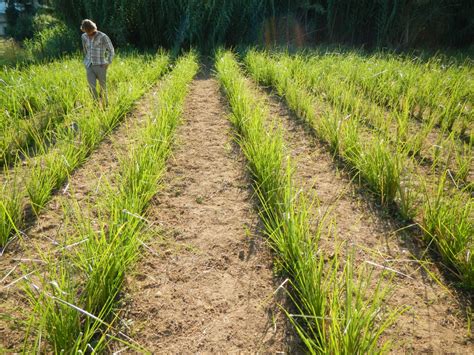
{"x": 98, "y": 50}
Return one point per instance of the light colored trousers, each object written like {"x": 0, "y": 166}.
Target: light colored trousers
{"x": 97, "y": 73}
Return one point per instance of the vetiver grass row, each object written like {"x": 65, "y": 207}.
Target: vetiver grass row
{"x": 336, "y": 309}
{"x": 375, "y": 163}
{"x": 432, "y": 90}
{"x": 49, "y": 171}
{"x": 445, "y": 213}
{"x": 74, "y": 305}
{"x": 423, "y": 141}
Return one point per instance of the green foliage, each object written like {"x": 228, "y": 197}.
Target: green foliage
{"x": 32, "y": 111}
{"x": 20, "y": 14}
{"x": 374, "y": 163}
{"x": 448, "y": 222}
{"x": 39, "y": 38}
{"x": 174, "y": 24}
{"x": 11, "y": 213}
{"x": 11, "y": 53}
{"x": 205, "y": 24}
{"x": 23, "y": 27}
{"x": 53, "y": 41}
{"x": 42, "y": 22}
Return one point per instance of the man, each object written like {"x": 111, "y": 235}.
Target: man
{"x": 98, "y": 55}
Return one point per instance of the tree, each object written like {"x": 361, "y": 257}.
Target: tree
{"x": 20, "y": 24}
{"x": 11, "y": 13}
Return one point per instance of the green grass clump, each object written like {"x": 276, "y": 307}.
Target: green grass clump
{"x": 35, "y": 100}
{"x": 11, "y": 213}
{"x": 11, "y": 53}
{"x": 426, "y": 90}
{"x": 43, "y": 101}
{"x": 447, "y": 221}
{"x": 327, "y": 77}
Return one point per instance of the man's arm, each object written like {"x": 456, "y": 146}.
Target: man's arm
{"x": 83, "y": 45}
{"x": 110, "y": 49}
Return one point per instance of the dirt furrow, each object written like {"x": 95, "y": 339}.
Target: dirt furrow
{"x": 207, "y": 285}
{"x": 54, "y": 228}
{"x": 434, "y": 321}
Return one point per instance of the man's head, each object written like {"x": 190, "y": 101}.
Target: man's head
{"x": 88, "y": 27}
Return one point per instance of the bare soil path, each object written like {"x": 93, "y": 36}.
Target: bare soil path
{"x": 434, "y": 323}
{"x": 208, "y": 286}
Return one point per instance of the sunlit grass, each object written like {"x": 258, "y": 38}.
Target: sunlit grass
{"x": 448, "y": 222}
{"x": 424, "y": 89}
{"x": 336, "y": 312}
{"x": 378, "y": 166}
{"x": 327, "y": 77}
{"x": 41, "y": 101}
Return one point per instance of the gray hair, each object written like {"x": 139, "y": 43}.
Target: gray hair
{"x": 88, "y": 25}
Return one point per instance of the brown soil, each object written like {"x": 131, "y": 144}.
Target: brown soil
{"x": 435, "y": 321}
{"x": 54, "y": 228}
{"x": 209, "y": 286}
